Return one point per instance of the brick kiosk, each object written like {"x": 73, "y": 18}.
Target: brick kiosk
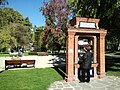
{"x": 89, "y": 28}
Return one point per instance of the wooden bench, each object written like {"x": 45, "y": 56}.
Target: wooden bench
{"x": 19, "y": 63}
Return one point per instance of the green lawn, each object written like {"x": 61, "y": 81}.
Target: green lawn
{"x": 28, "y": 79}
{"x": 3, "y": 55}
{"x": 113, "y": 66}
{"x": 24, "y": 54}
{"x": 40, "y": 79}
{"x": 113, "y": 53}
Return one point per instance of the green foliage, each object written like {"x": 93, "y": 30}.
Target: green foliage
{"x": 14, "y": 35}
{"x": 9, "y": 15}
{"x": 113, "y": 66}
{"x": 4, "y": 54}
{"x": 32, "y": 53}
{"x": 108, "y": 11}
{"x": 37, "y": 43}
{"x": 56, "y": 13}
{"x": 38, "y": 38}
{"x": 43, "y": 53}
{"x": 15, "y": 30}
{"x": 29, "y": 79}
{"x": 6, "y": 39}
{"x": 53, "y": 44}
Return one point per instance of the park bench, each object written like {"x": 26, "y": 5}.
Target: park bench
{"x": 19, "y": 63}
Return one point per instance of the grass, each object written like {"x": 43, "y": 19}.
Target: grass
{"x": 40, "y": 79}
{"x": 3, "y": 55}
{"x": 113, "y": 66}
{"x": 24, "y": 54}
{"x": 113, "y": 53}
{"x": 28, "y": 79}
{"x": 118, "y": 53}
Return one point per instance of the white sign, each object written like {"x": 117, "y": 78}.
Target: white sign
{"x": 87, "y": 25}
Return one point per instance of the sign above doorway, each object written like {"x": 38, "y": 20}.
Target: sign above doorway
{"x": 91, "y": 25}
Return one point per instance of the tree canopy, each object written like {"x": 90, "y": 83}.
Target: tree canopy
{"x": 9, "y": 15}
{"x": 14, "y": 28}
{"x": 108, "y": 11}
{"x": 56, "y": 13}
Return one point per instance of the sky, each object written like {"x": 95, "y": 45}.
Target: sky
{"x": 30, "y": 9}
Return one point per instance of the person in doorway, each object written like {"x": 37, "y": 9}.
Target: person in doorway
{"x": 86, "y": 65}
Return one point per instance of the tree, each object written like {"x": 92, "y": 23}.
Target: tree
{"x": 108, "y": 11}
{"x": 6, "y": 40}
{"x": 8, "y": 15}
{"x": 56, "y": 13}
{"x": 21, "y": 34}
{"x": 17, "y": 27}
{"x": 37, "y": 43}
{"x": 37, "y": 38}
{"x": 26, "y": 22}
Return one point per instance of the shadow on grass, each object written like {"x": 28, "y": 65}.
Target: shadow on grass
{"x": 1, "y": 71}
{"x": 112, "y": 64}
{"x": 117, "y": 53}
{"x": 112, "y": 67}
{"x": 59, "y": 64}
{"x": 61, "y": 70}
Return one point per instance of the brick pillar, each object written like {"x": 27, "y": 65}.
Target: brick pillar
{"x": 70, "y": 57}
{"x": 76, "y": 57}
{"x": 95, "y": 49}
{"x": 95, "y": 52}
{"x": 101, "y": 55}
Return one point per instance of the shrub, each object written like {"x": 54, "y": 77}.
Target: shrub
{"x": 32, "y": 53}
{"x": 42, "y": 53}
{"x": 4, "y": 53}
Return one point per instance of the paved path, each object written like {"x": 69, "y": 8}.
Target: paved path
{"x": 40, "y": 61}
{"x": 107, "y": 83}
